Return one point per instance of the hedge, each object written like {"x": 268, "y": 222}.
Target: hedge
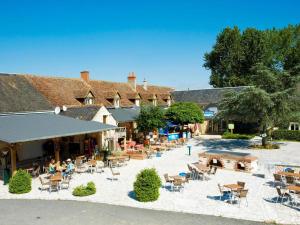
{"x": 82, "y": 190}
{"x": 146, "y": 186}
{"x": 20, "y": 183}
{"x": 291, "y": 135}
{"x": 228, "y": 135}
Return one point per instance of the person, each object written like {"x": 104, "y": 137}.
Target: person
{"x": 70, "y": 167}
{"x": 52, "y": 166}
{"x": 58, "y": 167}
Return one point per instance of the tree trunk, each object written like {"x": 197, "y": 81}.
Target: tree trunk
{"x": 264, "y": 140}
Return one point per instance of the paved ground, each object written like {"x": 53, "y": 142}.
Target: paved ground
{"x": 34, "y": 212}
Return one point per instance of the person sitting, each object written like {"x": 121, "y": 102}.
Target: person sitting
{"x": 58, "y": 167}
{"x": 52, "y": 167}
{"x": 70, "y": 167}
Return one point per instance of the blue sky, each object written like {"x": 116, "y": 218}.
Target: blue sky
{"x": 162, "y": 41}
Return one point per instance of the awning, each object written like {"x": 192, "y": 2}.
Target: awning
{"x": 16, "y": 128}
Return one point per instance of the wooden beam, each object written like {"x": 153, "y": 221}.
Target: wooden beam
{"x": 56, "y": 150}
{"x": 13, "y": 159}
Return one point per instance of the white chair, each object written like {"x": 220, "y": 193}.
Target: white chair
{"x": 114, "y": 174}
{"x": 65, "y": 183}
{"x": 99, "y": 166}
{"x": 45, "y": 185}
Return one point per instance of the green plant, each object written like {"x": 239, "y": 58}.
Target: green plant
{"x": 82, "y": 190}
{"x": 20, "y": 183}
{"x": 146, "y": 186}
{"x": 228, "y": 135}
{"x": 291, "y": 135}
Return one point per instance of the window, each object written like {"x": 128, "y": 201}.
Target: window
{"x": 169, "y": 102}
{"x": 154, "y": 101}
{"x": 89, "y": 101}
{"x": 137, "y": 102}
{"x": 294, "y": 126}
{"x": 105, "y": 119}
{"x": 116, "y": 102}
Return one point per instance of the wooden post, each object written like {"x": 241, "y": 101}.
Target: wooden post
{"x": 125, "y": 142}
{"x": 56, "y": 150}
{"x": 13, "y": 159}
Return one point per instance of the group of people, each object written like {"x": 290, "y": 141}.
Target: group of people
{"x": 66, "y": 168}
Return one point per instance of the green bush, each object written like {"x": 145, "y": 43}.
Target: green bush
{"x": 146, "y": 186}
{"x": 20, "y": 183}
{"x": 82, "y": 190}
{"x": 228, "y": 135}
{"x": 291, "y": 135}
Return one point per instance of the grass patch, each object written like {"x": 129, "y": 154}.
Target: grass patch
{"x": 268, "y": 146}
{"x": 228, "y": 135}
{"x": 87, "y": 190}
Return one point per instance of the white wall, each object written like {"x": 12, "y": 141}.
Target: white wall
{"x": 104, "y": 112}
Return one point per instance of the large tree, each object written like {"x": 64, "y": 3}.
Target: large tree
{"x": 150, "y": 118}
{"x": 255, "y": 105}
{"x": 184, "y": 113}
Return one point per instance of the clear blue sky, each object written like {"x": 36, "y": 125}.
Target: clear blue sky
{"x": 162, "y": 41}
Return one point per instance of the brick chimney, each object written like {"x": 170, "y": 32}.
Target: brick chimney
{"x": 85, "y": 75}
{"x": 132, "y": 80}
{"x": 145, "y": 85}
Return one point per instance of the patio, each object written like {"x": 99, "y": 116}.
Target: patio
{"x": 200, "y": 197}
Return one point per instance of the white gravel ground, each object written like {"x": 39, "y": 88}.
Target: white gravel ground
{"x": 198, "y": 196}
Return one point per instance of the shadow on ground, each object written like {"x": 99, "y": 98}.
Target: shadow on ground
{"x": 217, "y": 144}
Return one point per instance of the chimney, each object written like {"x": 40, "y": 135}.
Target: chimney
{"x": 85, "y": 75}
{"x": 145, "y": 85}
{"x": 132, "y": 80}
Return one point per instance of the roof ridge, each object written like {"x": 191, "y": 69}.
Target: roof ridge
{"x": 219, "y": 88}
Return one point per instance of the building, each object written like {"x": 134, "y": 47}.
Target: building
{"x": 208, "y": 99}
{"x": 31, "y": 131}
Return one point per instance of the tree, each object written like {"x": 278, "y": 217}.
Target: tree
{"x": 150, "y": 118}
{"x": 255, "y": 105}
{"x": 185, "y": 113}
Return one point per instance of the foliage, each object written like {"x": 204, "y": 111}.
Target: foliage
{"x": 146, "y": 186}
{"x": 254, "y": 105}
{"x": 235, "y": 55}
{"x": 228, "y": 135}
{"x": 82, "y": 190}
{"x": 185, "y": 113}
{"x": 150, "y": 118}
{"x": 291, "y": 135}
{"x": 267, "y": 146}
{"x": 20, "y": 183}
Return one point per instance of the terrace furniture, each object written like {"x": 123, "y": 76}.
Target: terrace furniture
{"x": 213, "y": 170}
{"x": 169, "y": 181}
{"x": 45, "y": 185}
{"x": 241, "y": 194}
{"x": 81, "y": 168}
{"x": 114, "y": 174}
{"x": 65, "y": 183}
{"x": 277, "y": 179}
{"x": 294, "y": 188}
{"x": 289, "y": 180}
{"x": 99, "y": 166}
{"x": 54, "y": 185}
{"x": 288, "y": 174}
{"x": 233, "y": 187}
{"x": 224, "y": 192}
{"x": 192, "y": 171}
{"x": 242, "y": 184}
{"x": 178, "y": 185}
{"x": 92, "y": 165}
{"x": 282, "y": 194}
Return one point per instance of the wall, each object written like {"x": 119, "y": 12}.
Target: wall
{"x": 102, "y": 112}
{"x": 29, "y": 150}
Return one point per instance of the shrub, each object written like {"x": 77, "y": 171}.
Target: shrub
{"x": 228, "y": 135}
{"x": 20, "y": 183}
{"x": 82, "y": 190}
{"x": 291, "y": 135}
{"x": 146, "y": 186}
{"x": 268, "y": 146}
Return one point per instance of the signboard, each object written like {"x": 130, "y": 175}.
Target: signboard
{"x": 209, "y": 114}
{"x": 230, "y": 126}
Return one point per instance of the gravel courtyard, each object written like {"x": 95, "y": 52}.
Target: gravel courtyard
{"x": 199, "y": 197}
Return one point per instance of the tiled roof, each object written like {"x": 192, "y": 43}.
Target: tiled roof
{"x": 204, "y": 96}
{"x": 82, "y": 112}
{"x": 125, "y": 114}
{"x": 18, "y": 95}
{"x": 66, "y": 91}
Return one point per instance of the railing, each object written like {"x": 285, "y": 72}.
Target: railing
{"x": 120, "y": 132}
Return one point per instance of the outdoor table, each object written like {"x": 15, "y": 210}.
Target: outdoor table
{"x": 288, "y": 174}
{"x": 116, "y": 157}
{"x": 294, "y": 188}
{"x": 233, "y": 187}
{"x": 56, "y": 178}
{"x": 201, "y": 167}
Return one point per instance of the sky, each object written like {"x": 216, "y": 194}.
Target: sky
{"x": 161, "y": 41}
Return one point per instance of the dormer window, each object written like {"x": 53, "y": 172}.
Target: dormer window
{"x": 169, "y": 102}
{"x": 154, "y": 102}
{"x": 137, "y": 102}
{"x": 116, "y": 102}
{"x": 84, "y": 97}
{"x": 89, "y": 101}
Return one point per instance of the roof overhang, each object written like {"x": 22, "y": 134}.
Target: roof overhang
{"x": 17, "y": 128}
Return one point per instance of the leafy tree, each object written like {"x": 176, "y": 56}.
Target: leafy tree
{"x": 184, "y": 113}
{"x": 255, "y": 105}
{"x": 150, "y": 118}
